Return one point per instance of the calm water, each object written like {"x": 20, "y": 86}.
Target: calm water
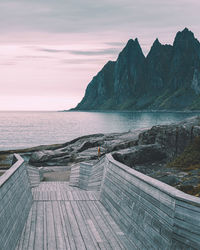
{"x": 27, "y": 129}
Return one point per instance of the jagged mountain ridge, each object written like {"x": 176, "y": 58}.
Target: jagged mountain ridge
{"x": 168, "y": 78}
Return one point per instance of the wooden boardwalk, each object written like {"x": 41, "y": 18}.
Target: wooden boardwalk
{"x": 64, "y": 217}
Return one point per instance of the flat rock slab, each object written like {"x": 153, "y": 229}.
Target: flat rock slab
{"x": 56, "y": 176}
{"x": 63, "y": 217}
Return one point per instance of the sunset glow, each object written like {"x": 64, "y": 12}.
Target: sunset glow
{"x": 50, "y": 51}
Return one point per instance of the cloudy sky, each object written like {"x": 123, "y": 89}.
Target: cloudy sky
{"x": 50, "y": 49}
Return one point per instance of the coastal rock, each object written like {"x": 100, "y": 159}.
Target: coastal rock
{"x": 48, "y": 157}
{"x": 174, "y": 138}
{"x": 90, "y": 144}
{"x": 121, "y": 145}
{"x": 40, "y": 156}
{"x": 137, "y": 147}
{"x": 84, "y": 148}
{"x": 148, "y": 151}
{"x": 140, "y": 154}
{"x": 171, "y": 180}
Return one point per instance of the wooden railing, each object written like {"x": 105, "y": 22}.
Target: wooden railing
{"x": 151, "y": 213}
{"x": 15, "y": 203}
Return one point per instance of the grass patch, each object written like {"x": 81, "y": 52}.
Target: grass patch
{"x": 3, "y": 157}
{"x": 4, "y": 166}
{"x": 190, "y": 158}
{"x": 191, "y": 190}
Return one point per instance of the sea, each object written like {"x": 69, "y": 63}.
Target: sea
{"x": 27, "y": 129}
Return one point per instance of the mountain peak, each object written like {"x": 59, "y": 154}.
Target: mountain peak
{"x": 156, "y": 43}
{"x": 154, "y": 48}
{"x": 186, "y": 31}
{"x": 136, "y": 41}
{"x": 136, "y": 82}
{"x": 132, "y": 45}
{"x": 130, "y": 41}
{"x": 184, "y": 36}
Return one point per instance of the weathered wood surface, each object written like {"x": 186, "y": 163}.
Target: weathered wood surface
{"x": 152, "y": 214}
{"x": 80, "y": 175}
{"x": 15, "y": 203}
{"x": 96, "y": 176}
{"x": 61, "y": 191}
{"x": 86, "y": 176}
{"x": 63, "y": 217}
{"x": 123, "y": 209}
{"x": 33, "y": 175}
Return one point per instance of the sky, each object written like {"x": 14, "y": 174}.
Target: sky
{"x": 50, "y": 50}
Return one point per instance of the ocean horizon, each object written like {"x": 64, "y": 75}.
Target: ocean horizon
{"x": 24, "y": 129}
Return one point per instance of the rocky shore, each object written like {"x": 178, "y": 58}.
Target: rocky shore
{"x": 154, "y": 152}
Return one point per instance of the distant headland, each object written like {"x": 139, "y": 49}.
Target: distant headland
{"x": 168, "y": 78}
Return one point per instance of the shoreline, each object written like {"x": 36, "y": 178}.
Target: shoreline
{"x": 134, "y": 111}
{"x": 36, "y": 136}
{"x": 148, "y": 151}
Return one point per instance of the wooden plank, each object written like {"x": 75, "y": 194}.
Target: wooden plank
{"x": 66, "y": 196}
{"x": 78, "y": 224}
{"x": 51, "y": 240}
{"x": 21, "y": 239}
{"x": 94, "y": 228}
{"x": 75, "y": 196}
{"x": 60, "y": 240}
{"x": 44, "y": 197}
{"x": 126, "y": 222}
{"x": 49, "y": 195}
{"x": 32, "y": 228}
{"x": 69, "y": 194}
{"x": 104, "y": 245}
{"x": 84, "y": 195}
{"x": 105, "y": 219}
{"x": 94, "y": 231}
{"x": 110, "y": 234}
{"x": 62, "y": 193}
{"x": 25, "y": 239}
{"x": 90, "y": 195}
{"x": 40, "y": 195}
{"x": 75, "y": 229}
{"x": 44, "y": 226}
{"x": 62, "y": 220}
{"x": 85, "y": 216}
{"x": 33, "y": 194}
{"x": 53, "y": 195}
{"x": 82, "y": 227}
{"x": 39, "y": 228}
{"x": 96, "y": 196}
{"x": 58, "y": 195}
{"x": 67, "y": 225}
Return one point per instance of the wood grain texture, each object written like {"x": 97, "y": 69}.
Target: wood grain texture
{"x": 64, "y": 217}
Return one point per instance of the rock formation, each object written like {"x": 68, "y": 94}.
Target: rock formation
{"x": 168, "y": 78}
{"x": 149, "y": 151}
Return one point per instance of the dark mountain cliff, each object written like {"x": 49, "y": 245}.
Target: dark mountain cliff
{"x": 168, "y": 78}
{"x": 100, "y": 89}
